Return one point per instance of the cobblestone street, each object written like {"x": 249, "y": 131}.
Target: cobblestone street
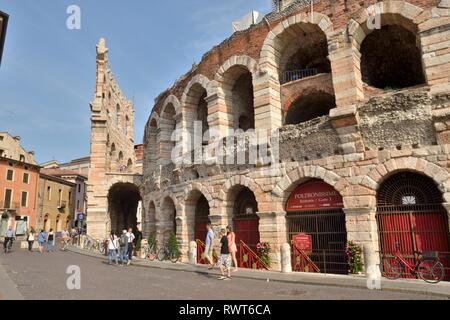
{"x": 44, "y": 277}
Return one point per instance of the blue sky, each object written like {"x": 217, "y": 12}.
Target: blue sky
{"x": 47, "y": 74}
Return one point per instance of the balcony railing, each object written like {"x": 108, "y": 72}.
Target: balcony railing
{"x": 289, "y": 76}
{"x": 62, "y": 204}
{"x": 9, "y": 205}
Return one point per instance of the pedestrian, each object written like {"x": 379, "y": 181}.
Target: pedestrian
{"x": 65, "y": 238}
{"x": 9, "y": 237}
{"x": 50, "y": 240}
{"x": 123, "y": 243}
{"x": 42, "y": 238}
{"x": 112, "y": 248}
{"x": 30, "y": 239}
{"x": 232, "y": 246}
{"x": 209, "y": 246}
{"x": 225, "y": 264}
{"x": 130, "y": 248}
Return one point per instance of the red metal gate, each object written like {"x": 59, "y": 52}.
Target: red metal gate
{"x": 409, "y": 212}
{"x": 247, "y": 231}
{"x": 418, "y": 228}
{"x": 315, "y": 209}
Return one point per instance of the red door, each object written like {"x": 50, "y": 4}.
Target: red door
{"x": 247, "y": 230}
{"x": 421, "y": 230}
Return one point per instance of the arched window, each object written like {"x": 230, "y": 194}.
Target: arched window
{"x": 117, "y": 116}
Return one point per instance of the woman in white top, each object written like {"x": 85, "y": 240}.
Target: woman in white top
{"x": 30, "y": 239}
{"x": 112, "y": 248}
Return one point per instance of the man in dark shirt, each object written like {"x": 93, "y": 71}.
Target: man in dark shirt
{"x": 224, "y": 256}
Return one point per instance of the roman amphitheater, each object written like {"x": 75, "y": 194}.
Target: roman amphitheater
{"x": 353, "y": 98}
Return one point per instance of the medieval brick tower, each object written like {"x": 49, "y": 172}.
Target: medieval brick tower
{"x": 113, "y": 193}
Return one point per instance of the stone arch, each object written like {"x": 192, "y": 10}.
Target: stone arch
{"x": 301, "y": 174}
{"x": 171, "y": 100}
{"x": 195, "y": 105}
{"x": 123, "y": 200}
{"x": 236, "y": 78}
{"x": 166, "y": 128}
{"x": 166, "y": 217}
{"x": 204, "y": 190}
{"x": 200, "y": 80}
{"x": 270, "y": 48}
{"x": 397, "y": 20}
{"x": 151, "y": 143}
{"x": 243, "y": 61}
{"x": 390, "y": 167}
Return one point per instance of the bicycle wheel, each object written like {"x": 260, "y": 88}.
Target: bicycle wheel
{"x": 161, "y": 254}
{"x": 151, "y": 254}
{"x": 174, "y": 257}
{"x": 431, "y": 271}
{"x": 391, "y": 268}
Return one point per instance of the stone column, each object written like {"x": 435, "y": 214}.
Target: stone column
{"x": 267, "y": 101}
{"x": 362, "y": 229}
{"x": 345, "y": 65}
{"x": 182, "y": 237}
{"x": 447, "y": 208}
{"x": 193, "y": 252}
{"x": 218, "y": 117}
{"x": 272, "y": 229}
{"x": 286, "y": 262}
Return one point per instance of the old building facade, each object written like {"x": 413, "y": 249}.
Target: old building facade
{"x": 56, "y": 201}
{"x": 19, "y": 178}
{"x": 357, "y": 95}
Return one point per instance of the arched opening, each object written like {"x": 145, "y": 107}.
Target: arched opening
{"x": 112, "y": 153}
{"x": 117, "y": 116}
{"x": 58, "y": 223}
{"x": 123, "y": 201}
{"x": 238, "y": 89}
{"x": 391, "y": 57}
{"x": 316, "y": 228}
{"x": 197, "y": 108}
{"x": 304, "y": 52}
{"x": 127, "y": 121}
{"x": 167, "y": 220}
{"x": 47, "y": 222}
{"x": 410, "y": 215}
{"x": 167, "y": 126}
{"x": 310, "y": 106}
{"x": 245, "y": 220}
{"x": 151, "y": 143}
{"x": 129, "y": 164}
{"x": 201, "y": 218}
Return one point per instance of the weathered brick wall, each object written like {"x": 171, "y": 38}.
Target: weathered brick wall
{"x": 370, "y": 135}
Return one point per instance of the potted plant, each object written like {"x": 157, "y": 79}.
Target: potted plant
{"x": 263, "y": 249}
{"x": 354, "y": 258}
{"x": 173, "y": 245}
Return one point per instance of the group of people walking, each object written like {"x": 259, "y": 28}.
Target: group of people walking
{"x": 45, "y": 240}
{"x": 120, "y": 249}
{"x": 228, "y": 250}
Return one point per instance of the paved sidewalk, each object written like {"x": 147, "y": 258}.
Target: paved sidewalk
{"x": 8, "y": 290}
{"x": 402, "y": 285}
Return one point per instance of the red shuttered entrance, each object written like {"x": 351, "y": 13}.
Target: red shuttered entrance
{"x": 246, "y": 223}
{"x": 409, "y": 213}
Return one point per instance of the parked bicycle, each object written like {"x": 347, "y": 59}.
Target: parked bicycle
{"x": 428, "y": 267}
{"x": 151, "y": 251}
{"x": 166, "y": 254}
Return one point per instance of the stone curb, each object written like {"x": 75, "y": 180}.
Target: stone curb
{"x": 356, "y": 282}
